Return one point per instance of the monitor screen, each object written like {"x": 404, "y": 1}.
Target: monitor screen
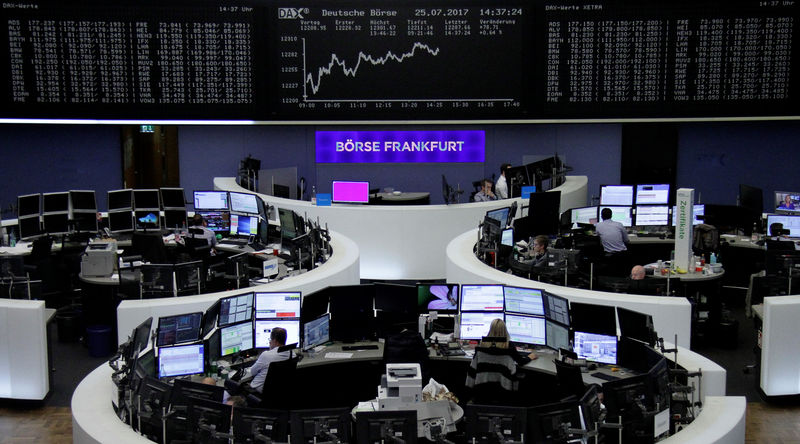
{"x": 55, "y": 202}
{"x": 235, "y": 309}
{"x": 173, "y": 198}
{"x": 28, "y": 205}
{"x": 527, "y": 190}
{"x": 120, "y": 199}
{"x": 556, "y": 309}
{"x": 289, "y": 228}
{"x": 475, "y": 325}
{"x": 55, "y": 223}
{"x": 179, "y": 328}
{"x": 217, "y": 221}
{"x": 278, "y": 305}
{"x": 751, "y": 197}
{"x": 350, "y": 192}
{"x": 180, "y": 360}
{"x": 500, "y": 215}
{"x": 523, "y": 300}
{"x": 236, "y": 338}
{"x": 481, "y": 298}
{"x": 244, "y": 203}
{"x": 210, "y": 318}
{"x": 507, "y": 237}
{"x": 211, "y": 200}
{"x": 595, "y": 347}
{"x": 264, "y": 329}
{"x": 652, "y": 194}
{"x": 556, "y": 335}
{"x": 592, "y": 318}
{"x": 526, "y": 329}
{"x": 84, "y": 222}
{"x": 616, "y": 195}
{"x": 652, "y": 215}
{"x": 175, "y": 218}
{"x": 584, "y": 215}
{"x": 697, "y": 210}
{"x": 317, "y": 332}
{"x": 120, "y": 221}
{"x": 787, "y": 201}
{"x": 635, "y": 325}
{"x": 620, "y": 214}
{"x": 243, "y": 225}
{"x": 82, "y": 200}
{"x": 147, "y": 219}
{"x": 146, "y": 200}
{"x": 437, "y": 297}
{"x": 29, "y": 227}
{"x": 790, "y": 222}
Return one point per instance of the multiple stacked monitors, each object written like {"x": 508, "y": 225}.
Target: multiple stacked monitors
{"x": 235, "y": 309}
{"x": 179, "y": 328}
{"x": 244, "y": 203}
{"x": 787, "y": 202}
{"x": 437, "y": 297}
{"x": 277, "y": 310}
{"x": 350, "y": 192}
{"x": 180, "y": 360}
{"x": 211, "y": 200}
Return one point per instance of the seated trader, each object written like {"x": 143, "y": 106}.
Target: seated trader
{"x": 199, "y": 223}
{"x": 612, "y": 234}
{"x": 492, "y": 374}
{"x": 485, "y": 194}
{"x": 539, "y": 252}
{"x": 637, "y": 273}
{"x": 258, "y": 371}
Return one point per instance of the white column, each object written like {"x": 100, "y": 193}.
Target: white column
{"x": 684, "y": 200}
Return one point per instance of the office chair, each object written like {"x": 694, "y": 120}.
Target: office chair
{"x": 189, "y": 278}
{"x": 488, "y": 367}
{"x": 150, "y": 246}
{"x": 570, "y": 380}
{"x": 281, "y": 385}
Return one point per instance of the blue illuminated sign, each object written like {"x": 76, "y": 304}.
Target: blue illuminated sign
{"x": 400, "y": 146}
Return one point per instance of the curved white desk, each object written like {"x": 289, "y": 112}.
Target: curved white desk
{"x": 406, "y": 242}
{"x": 342, "y": 268}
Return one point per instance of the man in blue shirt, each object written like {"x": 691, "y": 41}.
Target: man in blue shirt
{"x": 485, "y": 194}
{"x": 612, "y": 233}
{"x": 277, "y": 338}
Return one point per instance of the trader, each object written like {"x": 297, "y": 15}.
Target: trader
{"x": 501, "y": 187}
{"x": 199, "y": 223}
{"x": 485, "y": 194}
{"x": 539, "y": 252}
{"x": 637, "y": 273}
{"x": 258, "y": 371}
{"x": 612, "y": 233}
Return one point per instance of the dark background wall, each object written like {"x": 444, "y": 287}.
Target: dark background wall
{"x": 713, "y": 158}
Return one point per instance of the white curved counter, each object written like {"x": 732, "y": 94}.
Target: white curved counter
{"x": 342, "y": 268}
{"x": 406, "y": 242}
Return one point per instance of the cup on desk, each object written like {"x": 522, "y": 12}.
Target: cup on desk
{"x": 274, "y": 251}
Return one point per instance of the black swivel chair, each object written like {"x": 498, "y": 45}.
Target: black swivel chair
{"x": 281, "y": 384}
{"x": 150, "y": 246}
{"x": 570, "y": 380}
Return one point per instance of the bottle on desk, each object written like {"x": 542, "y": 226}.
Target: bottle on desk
{"x": 313, "y": 195}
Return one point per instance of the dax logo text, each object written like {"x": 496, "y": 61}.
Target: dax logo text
{"x": 292, "y": 13}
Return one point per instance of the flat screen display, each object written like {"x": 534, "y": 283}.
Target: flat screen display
{"x": 620, "y": 214}
{"x": 507, "y": 237}
{"x": 652, "y": 215}
{"x": 55, "y": 202}
{"x": 278, "y": 305}
{"x": 790, "y": 222}
{"x": 350, "y": 192}
{"x": 264, "y": 329}
{"x": 217, "y": 221}
{"x": 235, "y": 309}
{"x": 243, "y": 225}
{"x": 147, "y": 219}
{"x": 244, "y": 203}
{"x": 82, "y": 200}
{"x": 28, "y": 205}
{"x": 437, "y": 297}
{"x": 180, "y": 360}
{"x": 500, "y": 215}
{"x": 556, "y": 309}
{"x": 595, "y": 347}
{"x": 584, "y": 215}
{"x": 173, "y": 198}
{"x": 475, "y": 325}
{"x": 211, "y": 200}
{"x": 179, "y": 328}
{"x": 236, "y": 338}
{"x": 84, "y": 222}
{"x": 526, "y": 329}
{"x": 55, "y": 223}
{"x": 697, "y": 210}
{"x": 317, "y": 332}
{"x": 652, "y": 194}
{"x": 120, "y": 221}
{"x": 616, "y": 195}
{"x": 787, "y": 201}
{"x": 481, "y": 298}
{"x": 175, "y": 218}
{"x": 523, "y": 300}
{"x": 146, "y": 200}
{"x": 557, "y": 336}
{"x": 120, "y": 199}
{"x": 29, "y": 227}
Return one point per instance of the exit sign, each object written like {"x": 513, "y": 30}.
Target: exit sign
{"x": 147, "y": 128}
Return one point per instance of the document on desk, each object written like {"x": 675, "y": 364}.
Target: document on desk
{"x": 338, "y": 355}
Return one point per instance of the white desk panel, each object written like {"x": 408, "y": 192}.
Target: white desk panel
{"x": 780, "y": 349}
{"x": 23, "y": 350}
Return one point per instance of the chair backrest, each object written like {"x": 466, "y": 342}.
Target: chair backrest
{"x": 492, "y": 375}
{"x": 280, "y": 385}
{"x": 150, "y": 246}
{"x": 570, "y": 379}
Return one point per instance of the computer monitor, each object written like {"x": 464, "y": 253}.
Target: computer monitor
{"x": 787, "y": 202}
{"x": 556, "y": 335}
{"x": 292, "y": 224}
{"x": 173, "y": 198}
{"x": 591, "y": 408}
{"x": 82, "y": 200}
{"x": 245, "y": 226}
{"x": 244, "y": 203}
{"x": 264, "y": 327}
{"x": 252, "y": 424}
{"x": 317, "y": 332}
{"x": 551, "y": 423}
{"x": 482, "y": 298}
{"x": 652, "y": 216}
{"x": 120, "y": 221}
{"x": 584, "y": 215}
{"x": 500, "y": 215}
{"x": 146, "y": 200}
{"x": 507, "y": 237}
{"x": 698, "y": 211}
{"x": 180, "y": 360}
{"x": 317, "y": 425}
{"x": 120, "y": 199}
{"x": 616, "y": 195}
{"x": 55, "y": 223}
{"x": 146, "y": 220}
{"x": 652, "y": 194}
{"x": 217, "y": 221}
{"x": 175, "y": 218}
{"x": 278, "y": 305}
{"x": 352, "y": 309}
{"x": 140, "y": 337}
{"x": 485, "y": 423}
{"x": 395, "y": 307}
{"x": 442, "y": 298}
{"x": 84, "y": 222}
{"x": 626, "y": 396}
{"x": 236, "y": 338}
{"x": 544, "y": 212}
{"x": 210, "y": 318}
{"x": 790, "y": 223}
{"x": 601, "y": 319}
{"x": 556, "y": 308}
{"x": 29, "y": 227}
{"x": 619, "y": 214}
{"x": 475, "y": 324}
{"x": 386, "y": 426}
{"x": 524, "y": 329}
{"x": 235, "y": 309}
{"x": 29, "y": 205}
{"x": 211, "y": 200}
{"x": 179, "y": 328}
{"x": 55, "y": 202}
{"x": 752, "y": 198}
{"x": 595, "y": 347}
{"x": 633, "y": 324}
{"x": 523, "y": 300}
{"x": 344, "y": 191}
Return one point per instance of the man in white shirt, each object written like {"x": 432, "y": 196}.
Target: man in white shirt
{"x": 612, "y": 233}
{"x": 198, "y": 222}
{"x": 277, "y": 338}
{"x": 501, "y": 187}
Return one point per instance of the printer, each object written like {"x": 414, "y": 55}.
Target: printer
{"x": 99, "y": 259}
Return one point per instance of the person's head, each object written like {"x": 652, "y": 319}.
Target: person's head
{"x": 504, "y": 167}
{"x": 497, "y": 329}
{"x": 540, "y": 243}
{"x": 198, "y": 221}
{"x": 776, "y": 229}
{"x": 606, "y": 214}
{"x": 237, "y": 401}
{"x": 787, "y": 199}
{"x": 486, "y": 186}
{"x": 637, "y": 273}
{"x": 209, "y": 381}
{"x": 277, "y": 337}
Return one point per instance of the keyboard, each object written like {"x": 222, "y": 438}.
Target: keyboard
{"x": 604, "y": 376}
{"x": 651, "y": 235}
{"x": 359, "y": 347}
{"x": 234, "y": 241}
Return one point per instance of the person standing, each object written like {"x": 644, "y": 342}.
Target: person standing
{"x": 501, "y": 187}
